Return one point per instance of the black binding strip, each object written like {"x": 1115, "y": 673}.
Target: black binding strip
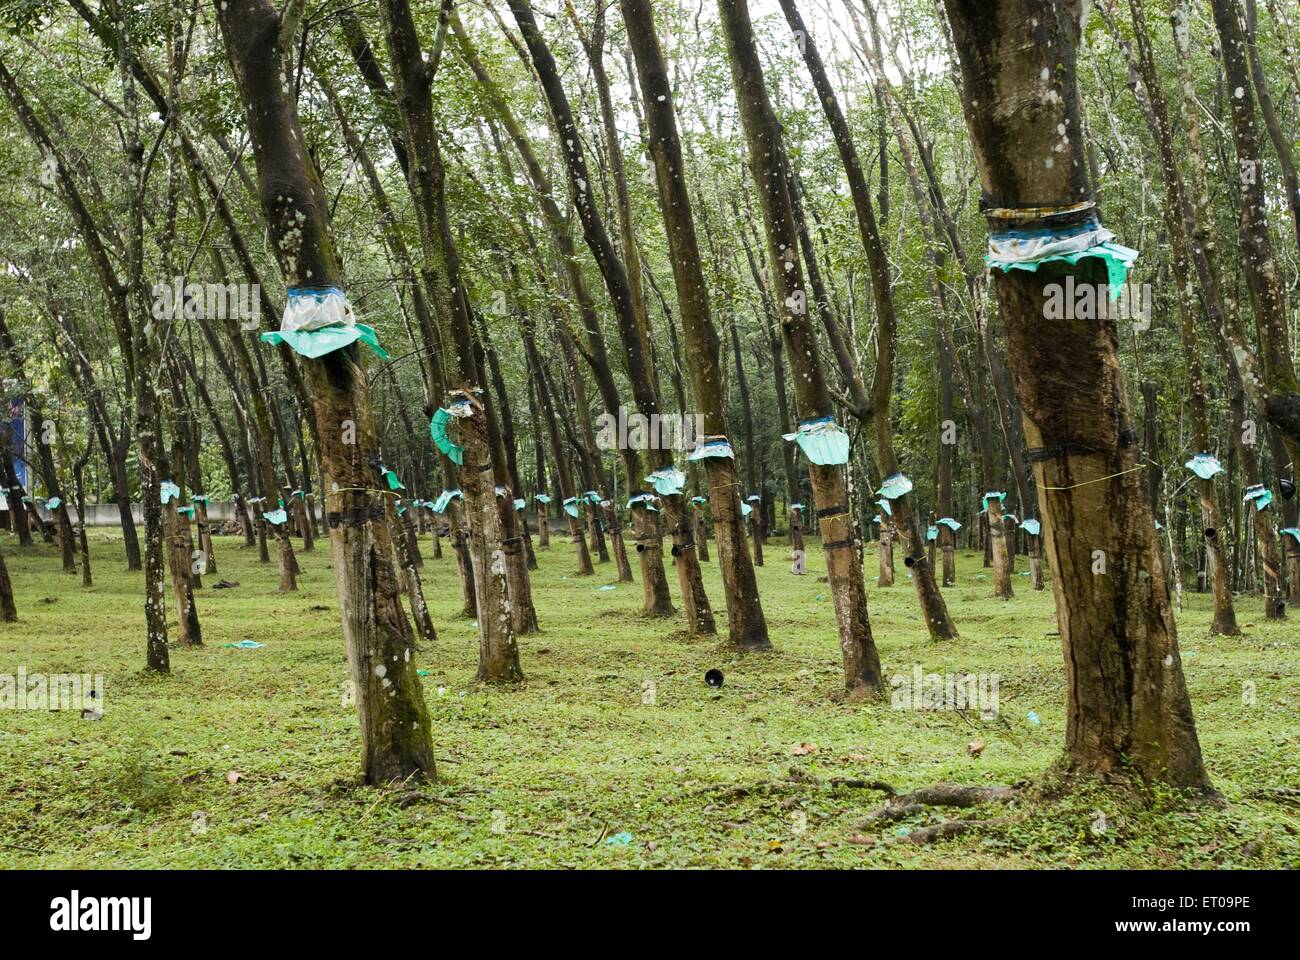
{"x": 354, "y": 518}
{"x": 1059, "y": 451}
{"x": 837, "y": 544}
{"x": 833, "y": 511}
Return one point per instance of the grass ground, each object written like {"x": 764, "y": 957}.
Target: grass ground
{"x": 249, "y": 757}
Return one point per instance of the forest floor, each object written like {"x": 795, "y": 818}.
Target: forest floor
{"x": 250, "y": 757}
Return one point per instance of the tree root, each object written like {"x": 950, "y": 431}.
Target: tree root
{"x": 950, "y": 828}
{"x": 796, "y": 779}
{"x": 900, "y": 807}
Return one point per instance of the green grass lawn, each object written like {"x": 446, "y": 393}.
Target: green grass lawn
{"x": 545, "y": 773}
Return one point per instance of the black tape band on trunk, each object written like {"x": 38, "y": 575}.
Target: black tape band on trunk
{"x": 354, "y": 518}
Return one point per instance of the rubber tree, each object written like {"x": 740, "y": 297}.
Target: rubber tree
{"x": 747, "y": 626}
{"x": 636, "y": 352}
{"x": 500, "y": 575}
{"x": 904, "y": 516}
{"x": 394, "y": 722}
{"x": 1145, "y": 82}
{"x": 862, "y": 672}
{"x": 1128, "y": 711}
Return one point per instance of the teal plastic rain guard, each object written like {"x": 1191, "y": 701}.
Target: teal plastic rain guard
{"x": 712, "y": 447}
{"x": 667, "y": 480}
{"x": 401, "y": 510}
{"x": 276, "y": 517}
{"x": 1027, "y": 249}
{"x": 1260, "y": 494}
{"x": 1205, "y": 465}
{"x": 699, "y": 501}
{"x": 1159, "y": 525}
{"x": 438, "y": 431}
{"x": 500, "y": 490}
{"x": 885, "y": 507}
{"x": 950, "y": 523}
{"x": 932, "y": 532}
{"x": 876, "y": 519}
{"x": 591, "y": 496}
{"x": 895, "y": 486}
{"x": 319, "y": 320}
{"x": 644, "y": 499}
{"x": 198, "y": 498}
{"x": 1292, "y": 532}
{"x": 1031, "y": 526}
{"x": 541, "y": 498}
{"x": 168, "y": 491}
{"x": 54, "y": 503}
{"x": 754, "y": 498}
{"x": 1000, "y": 494}
{"x": 1010, "y": 516}
{"x": 520, "y": 503}
{"x": 187, "y": 511}
{"x": 746, "y": 509}
{"x": 571, "y": 506}
{"x": 796, "y": 506}
{"x": 822, "y": 440}
{"x": 444, "y": 498}
{"x": 391, "y": 477}
{"x": 300, "y": 495}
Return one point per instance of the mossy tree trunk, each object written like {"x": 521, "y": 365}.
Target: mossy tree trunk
{"x": 395, "y": 728}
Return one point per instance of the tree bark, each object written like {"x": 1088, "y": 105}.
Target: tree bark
{"x": 395, "y": 726}
{"x": 862, "y": 672}
{"x": 1128, "y": 711}
{"x": 747, "y": 625}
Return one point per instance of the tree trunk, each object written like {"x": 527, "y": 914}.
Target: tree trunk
{"x": 395, "y": 727}
{"x": 8, "y": 612}
{"x": 627, "y": 311}
{"x": 862, "y": 673}
{"x": 878, "y": 418}
{"x": 1128, "y": 711}
{"x": 1151, "y": 97}
{"x": 1001, "y": 563}
{"x": 747, "y": 626}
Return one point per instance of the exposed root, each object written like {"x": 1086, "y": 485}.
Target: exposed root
{"x": 958, "y": 795}
{"x": 900, "y": 807}
{"x": 949, "y": 828}
{"x": 795, "y": 780}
